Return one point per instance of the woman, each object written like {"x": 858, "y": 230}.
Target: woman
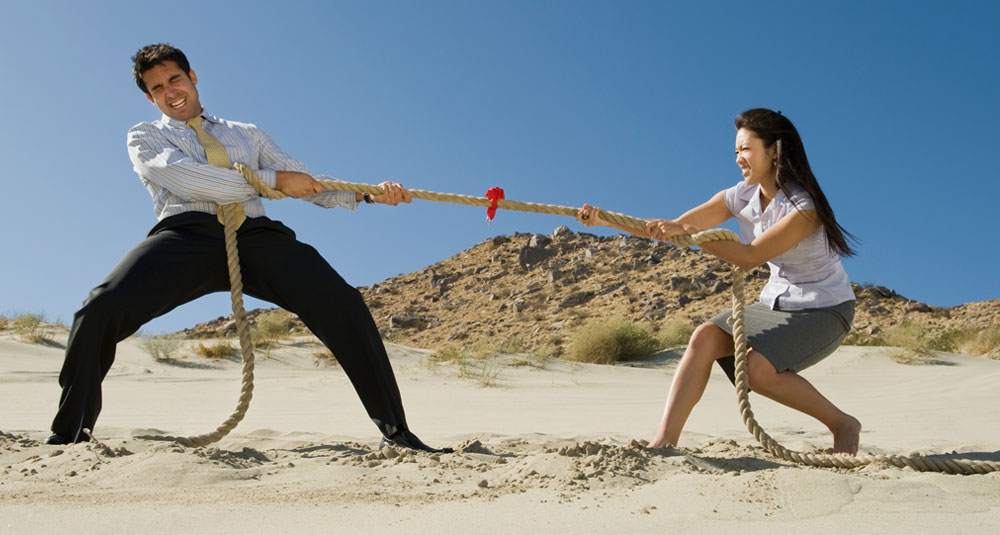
{"x": 805, "y": 310}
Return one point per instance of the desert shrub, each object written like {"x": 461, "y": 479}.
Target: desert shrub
{"x": 4, "y": 322}
{"x": 609, "y": 341}
{"x": 162, "y": 347}
{"x": 217, "y": 351}
{"x": 509, "y": 345}
{"x": 324, "y": 358}
{"x": 917, "y": 342}
{"x": 676, "y": 332}
{"x": 943, "y": 339}
{"x": 270, "y": 327}
{"x": 980, "y": 341}
{"x": 473, "y": 362}
{"x": 29, "y": 327}
{"x": 907, "y": 335}
{"x": 538, "y": 358}
{"x": 860, "y": 338}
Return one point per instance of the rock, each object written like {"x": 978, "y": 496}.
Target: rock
{"x": 681, "y": 284}
{"x": 720, "y": 286}
{"x": 555, "y": 275}
{"x": 878, "y": 310}
{"x": 879, "y": 292}
{"x": 539, "y": 240}
{"x": 519, "y": 305}
{"x": 655, "y": 314}
{"x": 405, "y": 321}
{"x": 529, "y": 257}
{"x": 576, "y": 299}
{"x": 562, "y": 231}
{"x": 499, "y": 240}
{"x": 493, "y": 277}
{"x": 916, "y": 306}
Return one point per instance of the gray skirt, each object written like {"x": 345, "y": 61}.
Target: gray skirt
{"x": 791, "y": 340}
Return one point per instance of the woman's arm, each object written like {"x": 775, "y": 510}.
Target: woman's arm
{"x": 708, "y": 215}
{"x": 591, "y": 216}
{"x": 711, "y": 213}
{"x": 784, "y": 235}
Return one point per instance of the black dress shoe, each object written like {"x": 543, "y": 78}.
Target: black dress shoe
{"x": 58, "y": 439}
{"x": 406, "y": 439}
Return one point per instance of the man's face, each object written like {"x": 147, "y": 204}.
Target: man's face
{"x": 172, "y": 90}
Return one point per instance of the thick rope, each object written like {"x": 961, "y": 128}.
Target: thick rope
{"x": 230, "y": 225}
{"x": 916, "y": 462}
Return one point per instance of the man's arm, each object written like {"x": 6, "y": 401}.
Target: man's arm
{"x": 293, "y": 179}
{"x": 158, "y": 160}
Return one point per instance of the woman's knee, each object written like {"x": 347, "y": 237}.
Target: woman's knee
{"x": 708, "y": 337}
{"x": 709, "y": 343}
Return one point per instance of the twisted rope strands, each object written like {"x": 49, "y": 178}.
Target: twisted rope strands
{"x": 230, "y": 225}
{"x": 951, "y": 466}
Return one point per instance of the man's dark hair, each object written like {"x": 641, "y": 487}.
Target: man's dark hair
{"x": 150, "y": 56}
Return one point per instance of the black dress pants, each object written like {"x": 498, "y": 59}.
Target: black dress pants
{"x": 184, "y": 258}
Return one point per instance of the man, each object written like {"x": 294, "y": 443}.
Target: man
{"x": 184, "y": 257}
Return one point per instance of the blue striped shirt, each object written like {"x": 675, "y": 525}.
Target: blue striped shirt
{"x": 172, "y": 165}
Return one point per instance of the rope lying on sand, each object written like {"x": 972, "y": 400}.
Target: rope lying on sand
{"x": 924, "y": 464}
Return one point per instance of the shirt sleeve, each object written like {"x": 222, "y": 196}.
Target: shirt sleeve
{"x": 272, "y": 159}
{"x": 158, "y": 160}
{"x": 732, "y": 199}
{"x": 802, "y": 200}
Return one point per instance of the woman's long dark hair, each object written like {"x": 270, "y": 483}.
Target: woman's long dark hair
{"x": 793, "y": 167}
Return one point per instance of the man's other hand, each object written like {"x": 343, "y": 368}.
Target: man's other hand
{"x": 295, "y": 184}
{"x": 392, "y": 194}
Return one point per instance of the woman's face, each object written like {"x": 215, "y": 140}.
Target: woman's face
{"x": 755, "y": 160}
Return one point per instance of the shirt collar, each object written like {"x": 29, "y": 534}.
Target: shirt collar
{"x": 755, "y": 201}
{"x": 174, "y": 123}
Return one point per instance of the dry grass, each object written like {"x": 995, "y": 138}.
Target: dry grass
{"x": 4, "y": 322}
{"x": 478, "y": 361}
{"x": 325, "y": 358}
{"x": 163, "y": 347}
{"x": 919, "y": 342}
{"x": 538, "y": 359}
{"x": 269, "y": 328}
{"x": 30, "y": 328}
{"x": 676, "y": 332}
{"x": 610, "y": 341}
{"x": 980, "y": 342}
{"x": 217, "y": 351}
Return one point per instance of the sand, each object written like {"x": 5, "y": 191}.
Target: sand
{"x": 542, "y": 447}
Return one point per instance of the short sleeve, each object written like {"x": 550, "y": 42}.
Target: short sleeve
{"x": 738, "y": 196}
{"x": 802, "y": 200}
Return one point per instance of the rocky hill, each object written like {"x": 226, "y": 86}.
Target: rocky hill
{"x": 533, "y": 291}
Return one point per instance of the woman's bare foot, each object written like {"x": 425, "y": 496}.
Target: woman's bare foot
{"x": 847, "y": 437}
{"x": 658, "y": 443}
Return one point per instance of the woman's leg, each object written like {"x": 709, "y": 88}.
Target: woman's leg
{"x": 792, "y": 390}
{"x": 708, "y": 343}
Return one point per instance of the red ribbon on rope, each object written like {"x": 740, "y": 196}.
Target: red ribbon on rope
{"x": 493, "y": 194}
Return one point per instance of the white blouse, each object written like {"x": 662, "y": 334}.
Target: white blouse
{"x": 810, "y": 274}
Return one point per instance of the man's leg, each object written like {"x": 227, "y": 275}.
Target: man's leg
{"x": 294, "y": 276}
{"x": 182, "y": 258}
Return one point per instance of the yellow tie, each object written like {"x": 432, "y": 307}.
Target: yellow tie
{"x": 216, "y": 155}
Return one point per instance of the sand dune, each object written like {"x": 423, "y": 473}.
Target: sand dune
{"x": 545, "y": 448}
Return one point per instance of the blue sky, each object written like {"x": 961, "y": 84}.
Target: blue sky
{"x": 627, "y": 105}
